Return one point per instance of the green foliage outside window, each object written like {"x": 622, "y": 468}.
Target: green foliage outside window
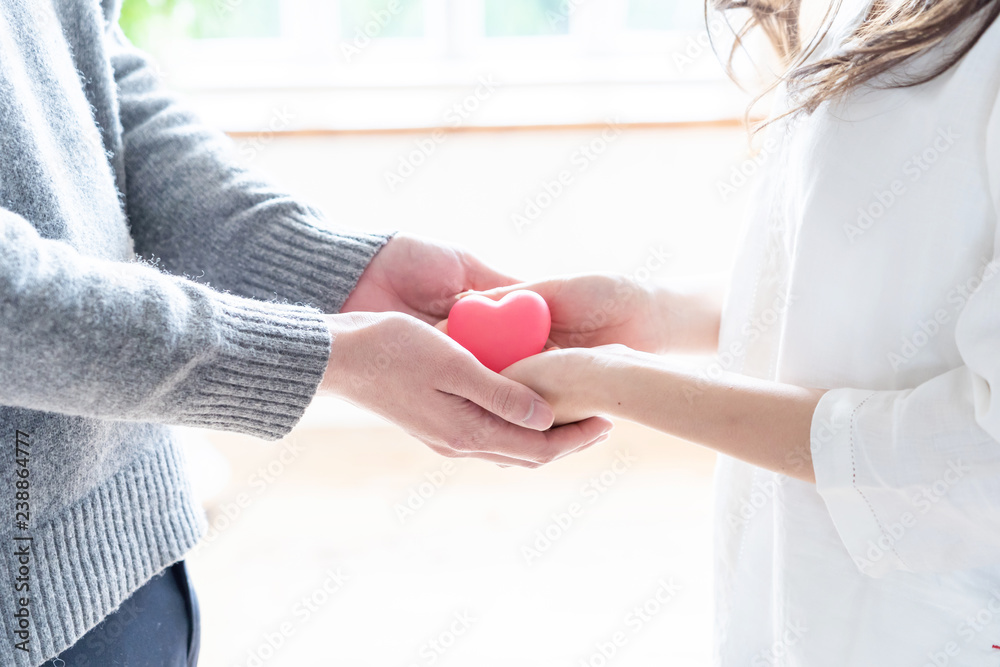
{"x": 149, "y": 22}
{"x": 517, "y": 18}
{"x": 383, "y": 18}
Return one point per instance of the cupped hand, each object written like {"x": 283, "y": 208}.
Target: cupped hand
{"x": 421, "y": 278}
{"x": 413, "y": 375}
{"x": 572, "y": 380}
{"x": 597, "y": 309}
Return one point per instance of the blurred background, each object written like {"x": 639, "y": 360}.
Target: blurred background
{"x": 349, "y": 543}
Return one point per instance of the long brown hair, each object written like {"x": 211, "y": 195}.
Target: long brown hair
{"x": 892, "y": 33}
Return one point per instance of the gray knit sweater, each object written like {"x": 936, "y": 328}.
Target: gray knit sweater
{"x": 103, "y": 175}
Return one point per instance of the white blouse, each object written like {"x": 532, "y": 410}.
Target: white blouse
{"x": 869, "y": 267}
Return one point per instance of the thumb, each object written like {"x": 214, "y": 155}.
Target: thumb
{"x": 547, "y": 289}
{"x": 507, "y": 399}
{"x": 479, "y": 276}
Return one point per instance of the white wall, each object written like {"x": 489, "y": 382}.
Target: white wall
{"x": 650, "y": 188}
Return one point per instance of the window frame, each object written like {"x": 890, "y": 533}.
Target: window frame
{"x": 452, "y": 55}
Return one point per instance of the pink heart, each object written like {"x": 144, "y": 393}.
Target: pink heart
{"x": 498, "y": 333}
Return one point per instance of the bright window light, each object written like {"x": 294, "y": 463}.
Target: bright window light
{"x": 581, "y": 61}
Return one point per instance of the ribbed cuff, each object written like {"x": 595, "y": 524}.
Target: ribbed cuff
{"x": 304, "y": 260}
{"x": 264, "y": 372}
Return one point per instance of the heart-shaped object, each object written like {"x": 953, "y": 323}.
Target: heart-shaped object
{"x": 498, "y": 333}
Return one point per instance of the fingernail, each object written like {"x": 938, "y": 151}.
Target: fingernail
{"x": 539, "y": 417}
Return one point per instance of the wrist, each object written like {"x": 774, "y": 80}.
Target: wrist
{"x": 664, "y": 309}
{"x": 612, "y": 379}
{"x": 644, "y": 388}
{"x": 688, "y": 314}
{"x": 348, "y": 333}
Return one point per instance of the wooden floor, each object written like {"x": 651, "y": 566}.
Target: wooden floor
{"x": 360, "y": 547}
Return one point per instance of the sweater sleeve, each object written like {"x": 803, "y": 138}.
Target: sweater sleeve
{"x": 911, "y": 478}
{"x": 124, "y": 341}
{"x": 198, "y": 214}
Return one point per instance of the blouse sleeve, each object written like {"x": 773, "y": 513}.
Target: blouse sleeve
{"x": 911, "y": 478}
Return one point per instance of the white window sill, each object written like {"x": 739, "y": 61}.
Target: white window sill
{"x": 486, "y": 103}
{"x": 274, "y": 90}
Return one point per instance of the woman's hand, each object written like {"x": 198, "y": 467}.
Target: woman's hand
{"x": 605, "y": 309}
{"x": 764, "y": 423}
{"x": 572, "y": 380}
{"x": 418, "y": 378}
{"x": 597, "y": 309}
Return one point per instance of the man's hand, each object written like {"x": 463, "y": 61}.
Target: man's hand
{"x": 420, "y": 278}
{"x": 415, "y": 376}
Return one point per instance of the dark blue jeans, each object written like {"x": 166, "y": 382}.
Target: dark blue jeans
{"x": 157, "y": 626}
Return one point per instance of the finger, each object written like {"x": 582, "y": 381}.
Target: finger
{"x": 596, "y": 441}
{"x": 482, "y": 277}
{"x": 507, "y": 399}
{"x": 466, "y": 448}
{"x": 442, "y": 326}
{"x": 503, "y": 461}
{"x": 575, "y": 437}
{"x": 499, "y": 459}
{"x": 544, "y": 447}
{"x": 547, "y": 289}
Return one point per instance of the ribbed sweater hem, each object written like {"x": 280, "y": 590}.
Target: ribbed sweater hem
{"x": 95, "y": 554}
